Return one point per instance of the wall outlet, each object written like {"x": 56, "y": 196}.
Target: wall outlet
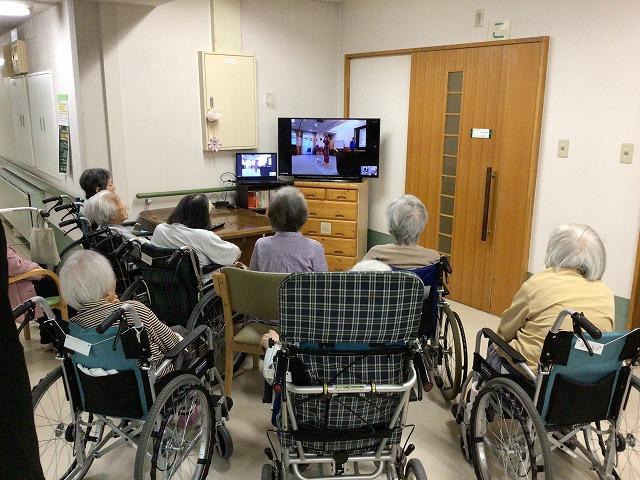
{"x": 563, "y": 148}
{"x": 626, "y": 153}
{"x": 478, "y": 18}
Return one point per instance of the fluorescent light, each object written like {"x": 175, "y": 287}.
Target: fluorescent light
{"x": 13, "y": 9}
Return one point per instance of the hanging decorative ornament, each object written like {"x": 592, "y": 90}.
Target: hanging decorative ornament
{"x": 213, "y": 115}
{"x": 214, "y": 144}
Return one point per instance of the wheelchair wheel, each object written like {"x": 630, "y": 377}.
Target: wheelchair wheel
{"x": 415, "y": 470}
{"x": 627, "y": 442}
{"x": 508, "y": 437}
{"x": 224, "y": 442}
{"x": 137, "y": 291}
{"x": 64, "y": 437}
{"x": 177, "y": 438}
{"x": 268, "y": 472}
{"x": 452, "y": 355}
{"x": 209, "y": 312}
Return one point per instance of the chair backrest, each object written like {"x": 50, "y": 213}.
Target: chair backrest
{"x": 129, "y": 391}
{"x": 430, "y": 276}
{"x": 106, "y": 244}
{"x": 581, "y": 388}
{"x": 173, "y": 287}
{"x": 373, "y": 307}
{"x": 250, "y": 293}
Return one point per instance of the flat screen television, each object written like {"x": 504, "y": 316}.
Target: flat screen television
{"x": 256, "y": 166}
{"x": 329, "y": 147}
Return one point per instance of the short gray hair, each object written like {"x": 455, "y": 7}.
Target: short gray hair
{"x": 578, "y": 247}
{"x": 102, "y": 208}
{"x": 85, "y": 277}
{"x": 406, "y": 219}
{"x": 287, "y": 210}
{"x": 371, "y": 266}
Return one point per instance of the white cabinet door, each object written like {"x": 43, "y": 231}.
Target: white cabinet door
{"x": 43, "y": 123}
{"x": 21, "y": 120}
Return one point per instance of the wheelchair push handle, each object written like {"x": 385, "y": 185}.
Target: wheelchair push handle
{"x": 580, "y": 321}
{"x": 281, "y": 372}
{"x": 66, "y": 223}
{"x": 23, "y": 308}
{"x": 57, "y": 198}
{"x": 65, "y": 206}
{"x": 32, "y": 303}
{"x": 110, "y": 320}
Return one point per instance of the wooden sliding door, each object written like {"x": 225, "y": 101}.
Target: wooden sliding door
{"x": 472, "y": 150}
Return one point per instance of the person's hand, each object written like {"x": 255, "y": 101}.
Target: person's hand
{"x": 240, "y": 265}
{"x": 270, "y": 335}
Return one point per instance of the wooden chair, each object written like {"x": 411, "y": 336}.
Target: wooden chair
{"x": 254, "y": 294}
{"x": 54, "y": 302}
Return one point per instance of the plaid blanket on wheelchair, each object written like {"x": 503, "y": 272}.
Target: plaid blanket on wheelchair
{"x": 366, "y": 311}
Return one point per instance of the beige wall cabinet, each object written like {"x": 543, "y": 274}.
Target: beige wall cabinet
{"x": 339, "y": 219}
{"x": 228, "y": 87}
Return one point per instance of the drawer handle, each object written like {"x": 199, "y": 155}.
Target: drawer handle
{"x": 339, "y": 215}
{"x": 339, "y": 234}
{"x": 338, "y": 251}
{"x": 312, "y": 214}
{"x": 310, "y": 195}
{"x": 311, "y": 231}
{"x": 341, "y": 196}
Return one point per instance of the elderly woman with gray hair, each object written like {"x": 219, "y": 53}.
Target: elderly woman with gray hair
{"x": 406, "y": 218}
{"x": 88, "y": 284}
{"x": 575, "y": 261}
{"x": 288, "y": 251}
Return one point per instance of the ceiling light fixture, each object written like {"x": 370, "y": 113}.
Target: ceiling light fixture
{"x": 13, "y": 9}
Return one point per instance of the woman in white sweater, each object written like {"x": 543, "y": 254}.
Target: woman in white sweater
{"x": 189, "y": 225}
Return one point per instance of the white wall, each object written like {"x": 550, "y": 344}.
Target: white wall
{"x": 344, "y": 131}
{"x": 152, "y": 93}
{"x": 374, "y": 99}
{"x": 50, "y": 43}
{"x": 592, "y": 99}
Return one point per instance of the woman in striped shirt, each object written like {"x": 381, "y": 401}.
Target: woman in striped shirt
{"x": 88, "y": 284}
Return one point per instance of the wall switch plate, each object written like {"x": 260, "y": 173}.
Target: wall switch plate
{"x": 478, "y": 18}
{"x": 626, "y": 153}
{"x": 563, "y": 148}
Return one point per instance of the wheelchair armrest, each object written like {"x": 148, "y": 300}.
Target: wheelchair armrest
{"x": 516, "y": 357}
{"x": 185, "y": 342}
{"x": 212, "y": 267}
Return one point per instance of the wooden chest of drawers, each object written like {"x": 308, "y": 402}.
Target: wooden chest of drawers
{"x": 338, "y": 218}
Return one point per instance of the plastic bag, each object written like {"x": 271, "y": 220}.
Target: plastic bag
{"x": 43, "y": 246}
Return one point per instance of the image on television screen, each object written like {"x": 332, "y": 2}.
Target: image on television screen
{"x": 256, "y": 165}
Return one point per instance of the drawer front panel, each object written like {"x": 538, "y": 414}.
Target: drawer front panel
{"x": 312, "y": 193}
{"x": 337, "y": 210}
{"x": 337, "y": 246}
{"x": 342, "y": 195}
{"x": 340, "y": 264}
{"x": 331, "y": 228}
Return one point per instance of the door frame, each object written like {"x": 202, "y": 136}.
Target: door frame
{"x": 535, "y": 151}
{"x": 633, "y": 314}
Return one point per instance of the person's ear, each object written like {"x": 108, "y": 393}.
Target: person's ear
{"x": 98, "y": 189}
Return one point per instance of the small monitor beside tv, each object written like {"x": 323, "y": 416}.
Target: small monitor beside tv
{"x": 329, "y": 147}
{"x": 256, "y": 167}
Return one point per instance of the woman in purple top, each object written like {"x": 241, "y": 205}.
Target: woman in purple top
{"x": 288, "y": 251}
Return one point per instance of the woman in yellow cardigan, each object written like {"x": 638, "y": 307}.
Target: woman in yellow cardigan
{"x": 575, "y": 261}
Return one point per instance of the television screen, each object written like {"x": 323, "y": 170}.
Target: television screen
{"x": 256, "y": 165}
{"x": 329, "y": 147}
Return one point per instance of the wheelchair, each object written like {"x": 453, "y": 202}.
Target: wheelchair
{"x": 510, "y": 423}
{"x": 441, "y": 332}
{"x": 344, "y": 373}
{"x": 169, "y": 282}
{"x": 107, "y": 393}
{"x": 104, "y": 239}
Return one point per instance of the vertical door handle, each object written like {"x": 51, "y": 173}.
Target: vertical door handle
{"x": 487, "y": 202}
{"x": 44, "y": 125}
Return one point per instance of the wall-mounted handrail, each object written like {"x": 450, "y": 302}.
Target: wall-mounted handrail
{"x": 174, "y": 193}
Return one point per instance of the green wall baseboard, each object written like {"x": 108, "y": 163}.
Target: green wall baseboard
{"x": 621, "y": 303}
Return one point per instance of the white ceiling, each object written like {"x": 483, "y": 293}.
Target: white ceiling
{"x": 9, "y": 23}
